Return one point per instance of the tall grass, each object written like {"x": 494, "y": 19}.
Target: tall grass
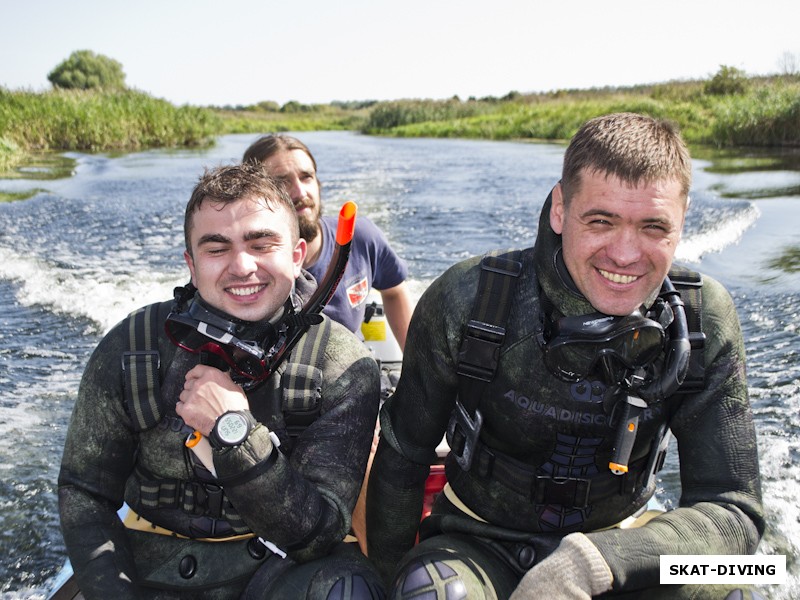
{"x": 769, "y": 116}
{"x": 322, "y": 118}
{"x": 766, "y": 113}
{"x": 398, "y": 114}
{"x": 92, "y": 120}
{"x": 10, "y": 154}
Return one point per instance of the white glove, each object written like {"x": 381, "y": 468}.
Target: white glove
{"x": 574, "y": 571}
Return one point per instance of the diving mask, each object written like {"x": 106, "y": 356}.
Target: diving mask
{"x": 199, "y": 329}
{"x": 574, "y": 346}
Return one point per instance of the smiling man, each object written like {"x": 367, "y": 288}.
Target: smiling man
{"x": 557, "y": 373}
{"x": 240, "y": 473}
{"x": 618, "y": 240}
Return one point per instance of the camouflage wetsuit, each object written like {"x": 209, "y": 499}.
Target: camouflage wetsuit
{"x": 541, "y": 465}
{"x": 299, "y": 497}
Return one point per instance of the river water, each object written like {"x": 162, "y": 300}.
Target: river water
{"x": 85, "y": 250}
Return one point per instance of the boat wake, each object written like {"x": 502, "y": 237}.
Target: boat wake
{"x": 102, "y": 296}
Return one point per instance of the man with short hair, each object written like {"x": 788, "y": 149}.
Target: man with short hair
{"x": 373, "y": 263}
{"x": 556, "y": 371}
{"x": 241, "y": 472}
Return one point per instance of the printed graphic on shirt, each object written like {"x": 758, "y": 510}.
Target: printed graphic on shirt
{"x": 357, "y": 293}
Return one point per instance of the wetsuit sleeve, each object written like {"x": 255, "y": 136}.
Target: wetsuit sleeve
{"x": 303, "y": 503}
{"x": 720, "y": 510}
{"x": 98, "y": 457}
{"x": 414, "y": 420}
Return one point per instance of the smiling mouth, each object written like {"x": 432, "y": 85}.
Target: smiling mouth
{"x": 617, "y": 278}
{"x": 246, "y": 291}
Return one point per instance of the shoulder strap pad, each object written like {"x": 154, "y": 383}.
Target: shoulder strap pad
{"x": 140, "y": 369}
{"x": 485, "y": 331}
{"x": 301, "y": 380}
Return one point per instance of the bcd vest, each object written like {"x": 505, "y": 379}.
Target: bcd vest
{"x": 478, "y": 359}
{"x": 202, "y": 500}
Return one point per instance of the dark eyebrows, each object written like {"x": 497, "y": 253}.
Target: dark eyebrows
{"x": 262, "y": 234}
{"x": 597, "y": 212}
{"x": 217, "y": 238}
{"x": 285, "y": 177}
{"x": 213, "y": 238}
{"x": 658, "y": 221}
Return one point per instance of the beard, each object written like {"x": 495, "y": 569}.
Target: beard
{"x": 309, "y": 226}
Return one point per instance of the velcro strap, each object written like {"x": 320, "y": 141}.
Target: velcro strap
{"x": 302, "y": 388}
{"x": 479, "y": 352}
{"x": 498, "y": 278}
{"x": 572, "y": 492}
{"x": 192, "y": 497}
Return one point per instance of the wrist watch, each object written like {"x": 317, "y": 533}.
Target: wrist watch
{"x": 232, "y": 428}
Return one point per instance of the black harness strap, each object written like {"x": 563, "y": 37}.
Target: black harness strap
{"x": 479, "y": 353}
{"x": 140, "y": 367}
{"x": 485, "y": 331}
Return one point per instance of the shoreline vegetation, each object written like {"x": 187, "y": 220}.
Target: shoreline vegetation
{"x": 728, "y": 110}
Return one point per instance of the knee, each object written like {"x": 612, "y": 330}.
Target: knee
{"x": 331, "y": 578}
{"x": 347, "y": 575}
{"x": 439, "y": 578}
{"x": 744, "y": 594}
{"x": 355, "y": 586}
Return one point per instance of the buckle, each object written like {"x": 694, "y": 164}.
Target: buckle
{"x": 470, "y": 430}
{"x": 569, "y": 492}
{"x": 480, "y": 350}
{"x": 206, "y": 499}
{"x": 213, "y": 500}
{"x": 137, "y": 354}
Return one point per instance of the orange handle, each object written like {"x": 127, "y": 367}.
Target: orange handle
{"x": 193, "y": 439}
{"x": 347, "y": 223}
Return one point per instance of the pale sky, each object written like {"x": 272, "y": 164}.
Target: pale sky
{"x": 205, "y": 52}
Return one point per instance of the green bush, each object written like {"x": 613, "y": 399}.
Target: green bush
{"x": 727, "y": 81}
{"x": 85, "y": 70}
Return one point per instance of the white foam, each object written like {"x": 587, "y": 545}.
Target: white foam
{"x": 100, "y": 296}
{"x": 726, "y": 233}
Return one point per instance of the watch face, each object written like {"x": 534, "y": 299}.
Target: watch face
{"x": 232, "y": 428}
